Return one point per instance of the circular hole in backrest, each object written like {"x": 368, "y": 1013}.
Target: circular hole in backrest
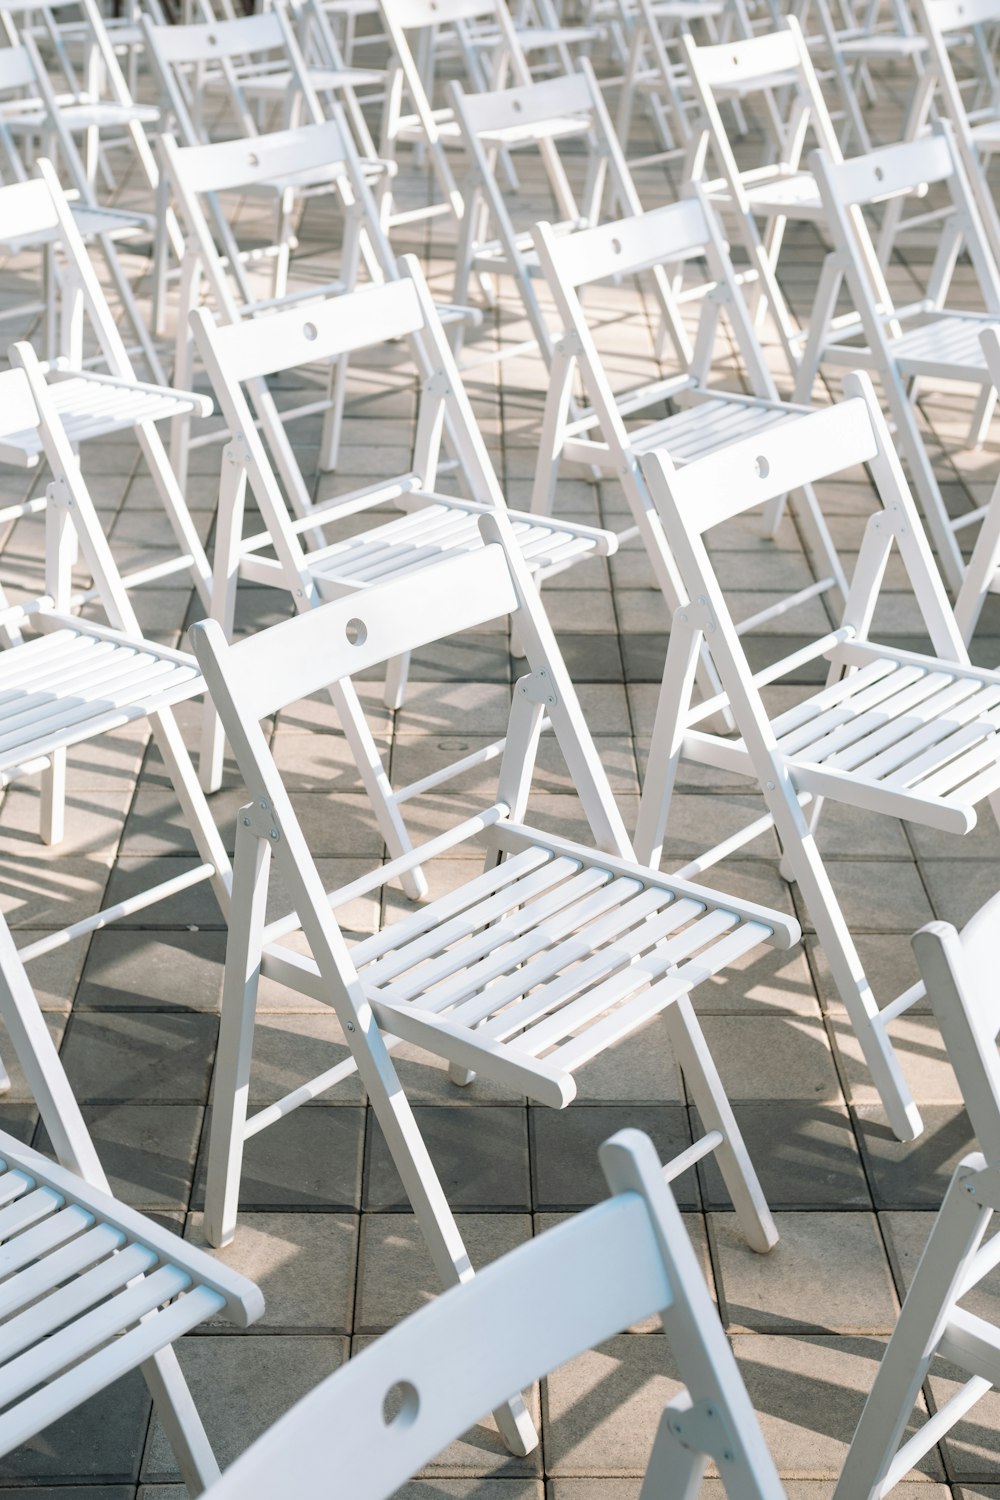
{"x": 879, "y": 174}
{"x": 310, "y": 331}
{"x": 517, "y": 106}
{"x": 761, "y": 467}
{"x": 400, "y": 1404}
{"x": 253, "y": 160}
{"x": 356, "y": 631}
{"x": 616, "y": 246}
{"x": 212, "y": 39}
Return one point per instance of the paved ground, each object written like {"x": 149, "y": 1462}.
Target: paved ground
{"x": 324, "y": 1227}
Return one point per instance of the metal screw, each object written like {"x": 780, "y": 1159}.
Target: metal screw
{"x": 350, "y": 1025}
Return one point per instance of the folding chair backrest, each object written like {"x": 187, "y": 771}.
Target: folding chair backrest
{"x": 890, "y": 172}
{"x": 960, "y": 973}
{"x": 658, "y": 241}
{"x": 747, "y": 474}
{"x": 340, "y": 326}
{"x": 181, "y": 54}
{"x": 775, "y": 64}
{"x": 397, "y": 1404}
{"x": 202, "y": 171}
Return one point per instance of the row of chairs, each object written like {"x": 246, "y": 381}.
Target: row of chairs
{"x": 528, "y": 971}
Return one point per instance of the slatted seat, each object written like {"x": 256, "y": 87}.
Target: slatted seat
{"x": 79, "y": 113}
{"x": 893, "y": 733}
{"x": 434, "y": 531}
{"x": 912, "y": 729}
{"x": 545, "y": 961}
{"x": 698, "y": 429}
{"x": 942, "y": 346}
{"x": 78, "y": 1271}
{"x": 76, "y": 682}
{"x": 93, "y": 406}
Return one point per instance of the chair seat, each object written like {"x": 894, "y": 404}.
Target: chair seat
{"x": 533, "y": 968}
{"x": 559, "y": 127}
{"x": 76, "y": 681}
{"x": 690, "y": 434}
{"x": 83, "y": 114}
{"x": 903, "y": 729}
{"x": 68, "y": 1314}
{"x": 321, "y": 79}
{"x": 793, "y": 194}
{"x": 437, "y": 530}
{"x": 410, "y": 128}
{"x": 945, "y": 346}
{"x": 91, "y": 406}
{"x": 882, "y": 46}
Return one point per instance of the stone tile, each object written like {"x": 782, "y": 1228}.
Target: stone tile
{"x": 395, "y": 1273}
{"x": 480, "y": 1155}
{"x": 785, "y": 1057}
{"x": 764, "y": 982}
{"x": 241, "y": 1387}
{"x": 147, "y": 1150}
{"x": 921, "y": 1055}
{"x": 805, "y": 1155}
{"x": 19, "y": 1091}
{"x": 958, "y": 888}
{"x": 303, "y": 1263}
{"x": 827, "y": 1274}
{"x": 888, "y": 962}
{"x": 309, "y": 1160}
{"x": 565, "y": 1169}
{"x": 290, "y": 1049}
{"x": 153, "y": 971}
{"x": 158, "y": 1057}
{"x": 875, "y": 896}
{"x": 906, "y": 1235}
{"x": 602, "y": 1409}
{"x": 913, "y": 1174}
{"x": 808, "y": 1392}
{"x": 194, "y": 908}
{"x": 98, "y": 1445}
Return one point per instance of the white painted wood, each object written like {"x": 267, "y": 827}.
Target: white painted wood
{"x": 499, "y": 976}
{"x": 931, "y": 339}
{"x": 895, "y": 733}
{"x": 521, "y": 1317}
{"x": 930, "y": 1322}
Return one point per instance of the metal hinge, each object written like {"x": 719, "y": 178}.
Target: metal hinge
{"x": 537, "y": 688}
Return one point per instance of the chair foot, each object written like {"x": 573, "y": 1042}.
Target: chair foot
{"x": 516, "y": 1427}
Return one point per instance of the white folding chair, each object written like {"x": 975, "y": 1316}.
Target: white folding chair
{"x": 932, "y": 1326}
{"x": 524, "y": 973}
{"x": 761, "y": 199}
{"x": 74, "y": 679}
{"x": 615, "y": 429}
{"x": 93, "y": 403}
{"x": 849, "y": 44}
{"x": 537, "y": 116}
{"x": 520, "y": 1318}
{"x": 893, "y": 732}
{"x": 214, "y": 259}
{"x": 91, "y": 1289}
{"x": 23, "y": 82}
{"x": 982, "y": 572}
{"x": 929, "y": 338}
{"x": 972, "y": 105}
{"x": 308, "y": 565}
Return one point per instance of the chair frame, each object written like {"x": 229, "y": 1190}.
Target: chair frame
{"x": 259, "y": 675}
{"x": 846, "y": 187}
{"x": 918, "y": 770}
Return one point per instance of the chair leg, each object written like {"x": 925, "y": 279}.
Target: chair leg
{"x": 706, "y": 1090}
{"x": 673, "y": 1470}
{"x": 53, "y": 818}
{"x": 184, "y": 1428}
{"x": 426, "y": 1196}
{"x": 231, "y": 1080}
